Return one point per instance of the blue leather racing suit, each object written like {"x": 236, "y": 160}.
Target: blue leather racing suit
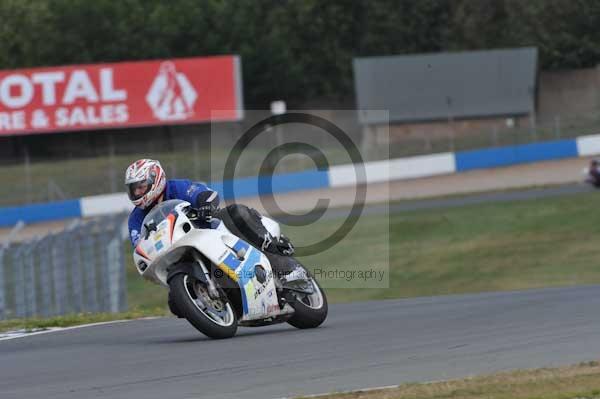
{"x": 181, "y": 189}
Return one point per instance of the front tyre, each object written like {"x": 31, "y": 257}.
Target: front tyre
{"x": 213, "y": 318}
{"x": 310, "y": 310}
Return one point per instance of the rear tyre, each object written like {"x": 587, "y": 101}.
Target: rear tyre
{"x": 310, "y": 311}
{"x": 213, "y": 318}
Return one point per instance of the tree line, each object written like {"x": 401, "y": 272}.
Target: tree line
{"x": 298, "y": 50}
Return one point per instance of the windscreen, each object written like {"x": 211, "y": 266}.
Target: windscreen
{"x": 159, "y": 213}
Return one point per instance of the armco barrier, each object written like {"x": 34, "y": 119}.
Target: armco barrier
{"x": 280, "y": 183}
{"x": 336, "y": 176}
{"x": 394, "y": 169}
{"x": 588, "y": 145}
{"x": 9, "y": 216}
{"x": 504, "y": 156}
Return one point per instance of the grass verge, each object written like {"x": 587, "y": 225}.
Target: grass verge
{"x": 578, "y": 381}
{"x": 75, "y": 319}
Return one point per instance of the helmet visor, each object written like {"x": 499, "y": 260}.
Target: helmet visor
{"x": 138, "y": 189}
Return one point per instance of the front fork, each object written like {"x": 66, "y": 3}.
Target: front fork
{"x": 213, "y": 292}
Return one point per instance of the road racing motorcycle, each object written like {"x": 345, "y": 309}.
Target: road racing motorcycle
{"x": 216, "y": 280}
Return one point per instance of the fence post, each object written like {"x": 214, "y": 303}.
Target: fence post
{"x": 123, "y": 234}
{"x": 18, "y": 280}
{"x": 115, "y": 282}
{"x": 59, "y": 275}
{"x": 102, "y": 255}
{"x": 30, "y": 279}
{"x": 113, "y": 270}
{"x": 43, "y": 253}
{"x": 76, "y": 269}
{"x": 91, "y": 291}
{"x": 495, "y": 136}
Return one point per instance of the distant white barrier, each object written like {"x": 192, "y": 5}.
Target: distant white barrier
{"x": 395, "y": 169}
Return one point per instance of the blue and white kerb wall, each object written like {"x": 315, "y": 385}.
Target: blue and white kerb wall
{"x": 336, "y": 176}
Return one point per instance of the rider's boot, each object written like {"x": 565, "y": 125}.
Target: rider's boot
{"x": 281, "y": 246}
{"x": 288, "y": 273}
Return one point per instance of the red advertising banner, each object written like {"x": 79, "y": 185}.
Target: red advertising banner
{"x": 97, "y": 96}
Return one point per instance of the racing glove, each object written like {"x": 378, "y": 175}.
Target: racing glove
{"x": 206, "y": 204}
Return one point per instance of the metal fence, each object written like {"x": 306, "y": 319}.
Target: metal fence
{"x": 81, "y": 269}
{"x": 528, "y": 131}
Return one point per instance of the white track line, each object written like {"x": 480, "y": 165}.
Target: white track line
{"x": 386, "y": 387}
{"x": 19, "y": 334}
{"x": 381, "y": 388}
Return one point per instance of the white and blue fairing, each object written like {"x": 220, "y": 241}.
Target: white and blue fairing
{"x": 232, "y": 255}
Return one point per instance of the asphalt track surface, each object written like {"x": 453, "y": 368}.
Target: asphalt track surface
{"x": 360, "y": 345}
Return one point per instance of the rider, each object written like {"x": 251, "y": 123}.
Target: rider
{"x": 147, "y": 186}
{"x": 594, "y": 173}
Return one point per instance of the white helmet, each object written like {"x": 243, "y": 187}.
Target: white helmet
{"x": 145, "y": 180}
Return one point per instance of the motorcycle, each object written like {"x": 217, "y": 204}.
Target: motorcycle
{"x": 216, "y": 280}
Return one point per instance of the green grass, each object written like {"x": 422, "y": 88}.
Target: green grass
{"x": 75, "y": 319}
{"x": 488, "y": 247}
{"x": 504, "y": 246}
{"x": 572, "y": 382}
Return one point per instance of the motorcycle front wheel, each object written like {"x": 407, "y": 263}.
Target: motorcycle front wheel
{"x": 214, "y": 318}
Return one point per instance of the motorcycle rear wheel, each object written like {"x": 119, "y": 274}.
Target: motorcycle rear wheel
{"x": 213, "y": 318}
{"x": 310, "y": 311}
